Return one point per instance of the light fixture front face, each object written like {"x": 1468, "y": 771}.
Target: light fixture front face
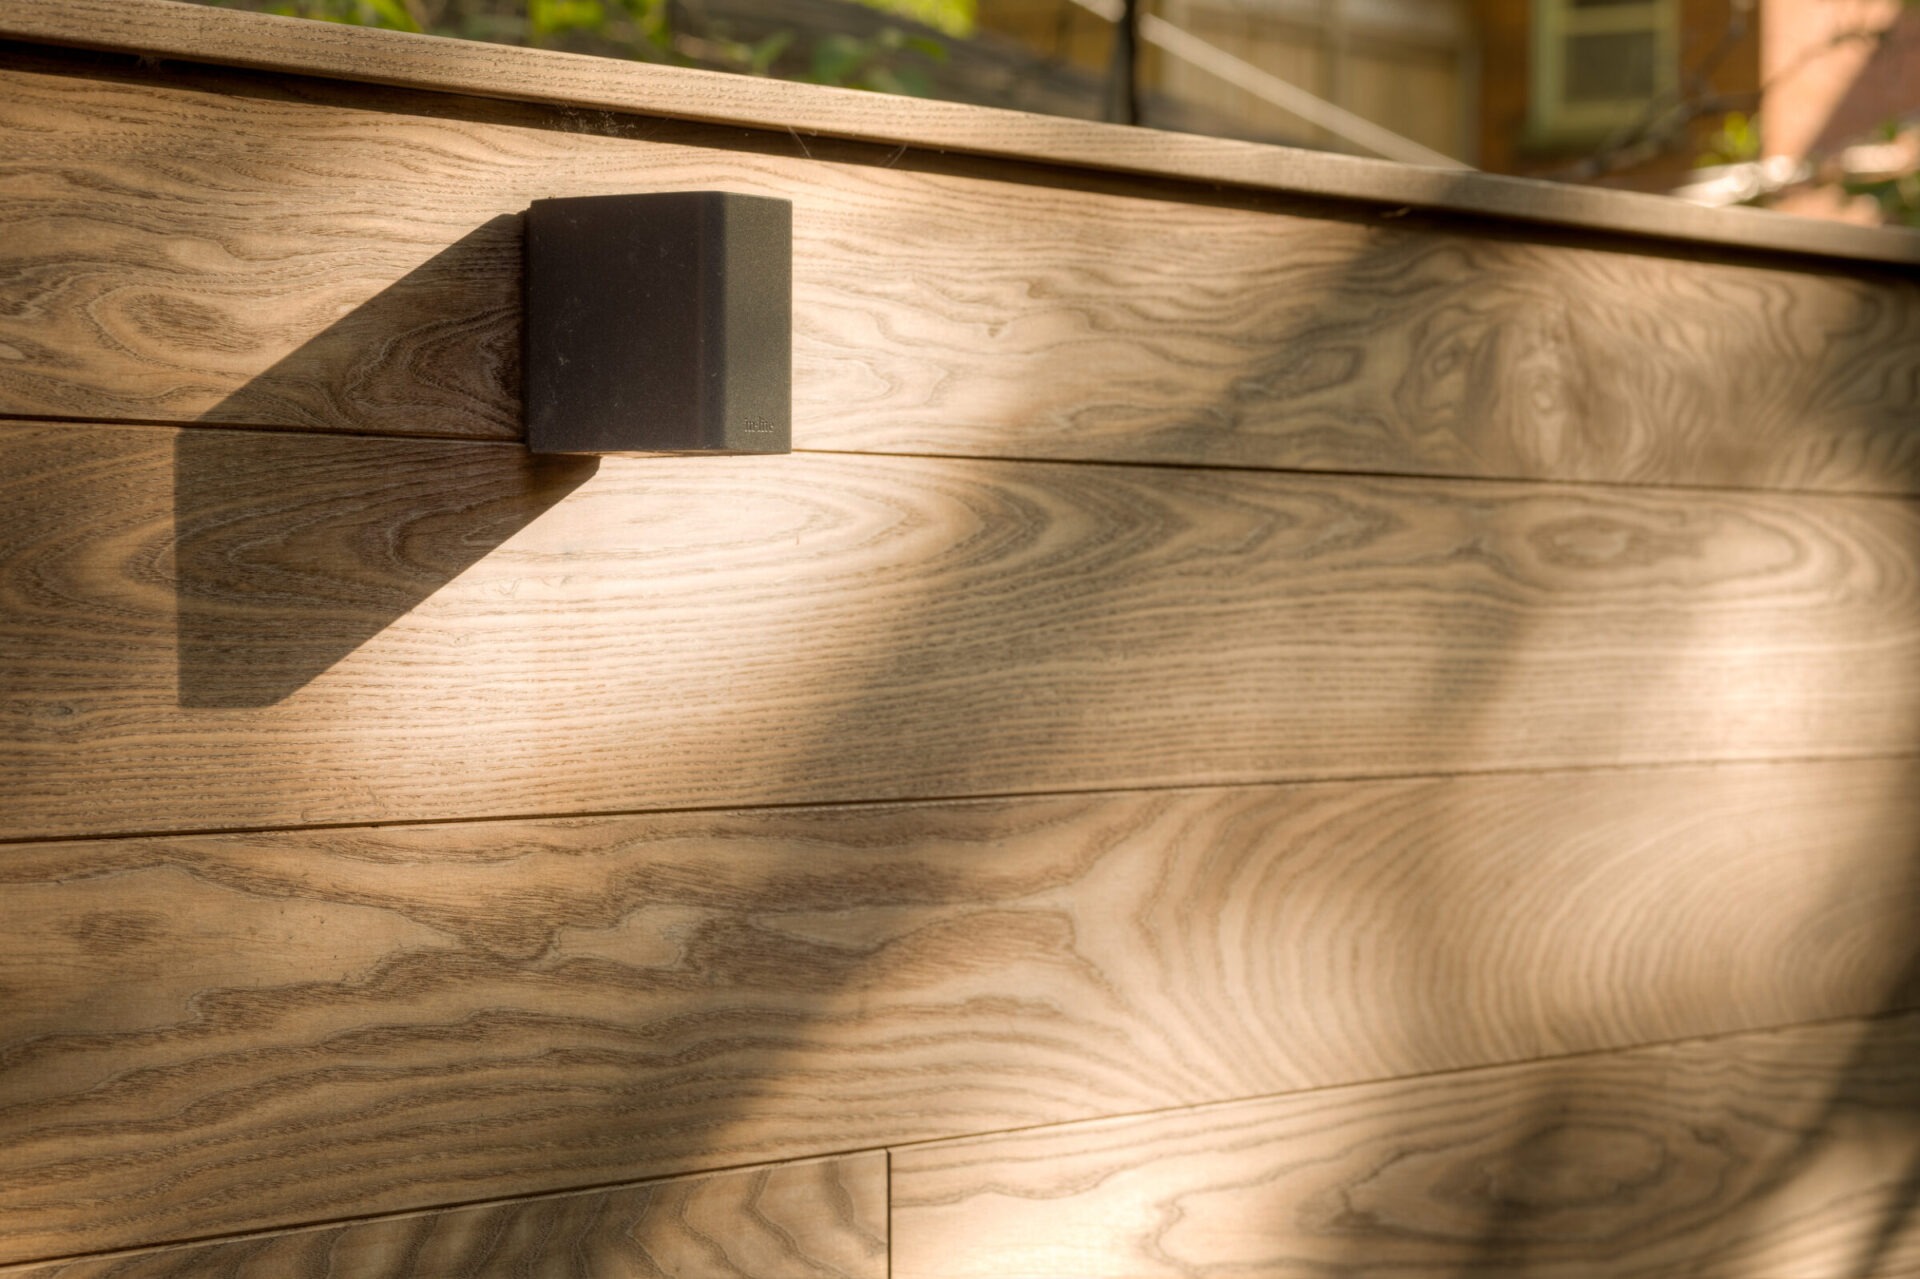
{"x": 659, "y": 323}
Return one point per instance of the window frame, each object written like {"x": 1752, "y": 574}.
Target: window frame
{"x": 1550, "y": 117}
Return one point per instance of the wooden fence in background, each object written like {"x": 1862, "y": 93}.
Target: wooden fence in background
{"x": 1288, "y": 716}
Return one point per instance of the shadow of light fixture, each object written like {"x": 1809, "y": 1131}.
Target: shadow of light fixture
{"x": 659, "y": 323}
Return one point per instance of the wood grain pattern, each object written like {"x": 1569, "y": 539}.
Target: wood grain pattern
{"x": 196, "y": 33}
{"x": 1794, "y": 1153}
{"x": 207, "y": 1034}
{"x": 210, "y": 629}
{"x": 822, "y": 1219}
{"x": 249, "y": 251}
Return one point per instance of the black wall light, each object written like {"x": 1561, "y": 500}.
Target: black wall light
{"x": 660, "y": 324}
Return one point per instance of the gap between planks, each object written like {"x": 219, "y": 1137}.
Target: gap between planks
{"x": 190, "y": 1242}
{"x": 984, "y": 797}
{"x": 888, "y": 1150}
{"x": 1231, "y": 468}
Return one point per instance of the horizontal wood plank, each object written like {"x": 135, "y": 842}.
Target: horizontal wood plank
{"x": 240, "y": 250}
{"x": 197, "y": 33}
{"x": 825, "y": 1219}
{"x": 201, "y": 1035}
{"x": 215, "y": 630}
{"x": 1793, "y": 1153}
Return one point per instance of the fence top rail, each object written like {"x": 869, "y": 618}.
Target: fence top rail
{"x": 197, "y": 33}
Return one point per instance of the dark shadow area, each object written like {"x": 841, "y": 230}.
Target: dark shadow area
{"x": 1874, "y": 1102}
{"x": 436, "y": 352}
{"x": 279, "y": 579}
{"x": 294, "y": 548}
{"x": 1884, "y": 1077}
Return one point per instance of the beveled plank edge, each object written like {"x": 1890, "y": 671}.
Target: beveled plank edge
{"x": 1893, "y": 1013}
{"x": 1908, "y": 495}
{"x": 1899, "y": 1020}
{"x": 28, "y": 1269}
{"x": 196, "y": 33}
{"x": 1731, "y": 763}
{"x": 742, "y": 807}
{"x": 329, "y": 430}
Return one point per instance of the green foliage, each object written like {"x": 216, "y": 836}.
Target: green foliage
{"x": 1896, "y": 189}
{"x": 953, "y": 17}
{"x": 882, "y": 64}
{"x": 1898, "y": 197}
{"x": 644, "y": 27}
{"x": 1884, "y": 167}
{"x": 889, "y": 62}
{"x": 1737, "y": 142}
{"x": 548, "y": 18}
{"x": 390, "y": 14}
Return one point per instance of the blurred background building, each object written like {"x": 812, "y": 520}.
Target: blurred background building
{"x": 1812, "y": 106}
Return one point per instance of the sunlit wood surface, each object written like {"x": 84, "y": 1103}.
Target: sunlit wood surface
{"x": 1789, "y": 1153}
{"x": 826, "y": 1218}
{"x": 1274, "y": 727}
{"x": 435, "y": 629}
{"x": 334, "y": 257}
{"x": 335, "y": 1022}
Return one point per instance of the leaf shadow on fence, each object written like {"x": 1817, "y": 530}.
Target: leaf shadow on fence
{"x": 1595, "y": 1161}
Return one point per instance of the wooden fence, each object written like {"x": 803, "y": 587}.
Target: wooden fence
{"x": 1288, "y": 715}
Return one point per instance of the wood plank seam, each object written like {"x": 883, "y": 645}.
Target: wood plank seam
{"x": 212, "y": 1245}
{"x": 185, "y": 1242}
{"x": 1892, "y": 1014}
{"x": 889, "y": 1152}
{"x": 1383, "y": 473}
{"x": 1220, "y": 467}
{"x": 1572, "y": 486}
{"x": 852, "y": 806}
{"x": 1791, "y": 1152}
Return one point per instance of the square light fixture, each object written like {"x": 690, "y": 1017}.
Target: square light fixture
{"x": 659, "y": 323}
